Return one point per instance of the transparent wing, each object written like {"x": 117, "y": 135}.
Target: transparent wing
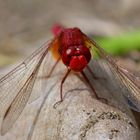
{"x": 129, "y": 83}
{"x": 17, "y": 85}
{"x": 107, "y": 85}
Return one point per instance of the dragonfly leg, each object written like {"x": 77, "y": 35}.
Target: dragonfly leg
{"x": 93, "y": 75}
{"x": 61, "y": 87}
{"x": 54, "y": 66}
{"x": 97, "y": 97}
{"x": 51, "y": 71}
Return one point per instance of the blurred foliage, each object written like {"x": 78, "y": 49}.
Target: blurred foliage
{"x": 121, "y": 44}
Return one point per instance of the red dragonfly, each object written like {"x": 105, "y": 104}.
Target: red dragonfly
{"x": 74, "y": 49}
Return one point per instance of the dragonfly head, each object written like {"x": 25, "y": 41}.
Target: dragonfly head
{"x": 76, "y": 57}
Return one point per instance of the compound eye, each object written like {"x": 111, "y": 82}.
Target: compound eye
{"x": 70, "y": 51}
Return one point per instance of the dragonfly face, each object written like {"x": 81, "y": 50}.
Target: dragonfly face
{"x": 76, "y": 57}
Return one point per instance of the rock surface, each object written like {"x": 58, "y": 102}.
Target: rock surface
{"x": 78, "y": 117}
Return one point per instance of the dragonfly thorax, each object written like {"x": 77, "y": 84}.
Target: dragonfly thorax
{"x": 71, "y": 36}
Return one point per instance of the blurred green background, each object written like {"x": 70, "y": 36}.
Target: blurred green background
{"x": 115, "y": 25}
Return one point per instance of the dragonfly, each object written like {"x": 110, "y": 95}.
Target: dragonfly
{"x": 75, "y": 50}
